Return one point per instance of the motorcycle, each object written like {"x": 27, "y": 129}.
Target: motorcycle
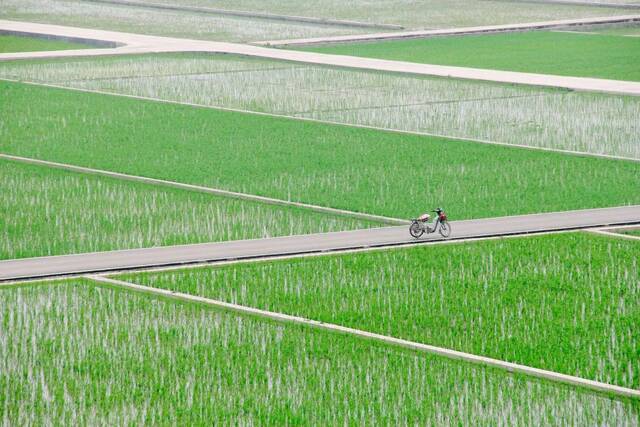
{"x": 421, "y": 225}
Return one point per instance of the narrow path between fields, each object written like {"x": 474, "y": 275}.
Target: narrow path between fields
{"x": 418, "y": 104}
{"x": 249, "y": 14}
{"x": 603, "y": 3}
{"x": 131, "y": 259}
{"x": 236, "y": 261}
{"x": 451, "y": 31}
{"x": 613, "y": 232}
{"x": 396, "y": 342}
{"x": 202, "y": 189}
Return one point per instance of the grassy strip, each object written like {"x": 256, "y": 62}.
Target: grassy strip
{"x": 77, "y": 354}
{"x": 566, "y": 303}
{"x": 566, "y": 54}
{"x": 52, "y": 212}
{"x": 632, "y": 232}
{"x": 33, "y": 44}
{"x": 363, "y": 170}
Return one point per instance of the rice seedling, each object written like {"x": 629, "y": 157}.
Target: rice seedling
{"x": 31, "y": 44}
{"x": 46, "y": 211}
{"x": 411, "y": 14}
{"x": 363, "y": 170}
{"x": 74, "y": 354}
{"x": 593, "y": 123}
{"x": 543, "y": 52}
{"x": 161, "y": 22}
{"x": 568, "y": 303}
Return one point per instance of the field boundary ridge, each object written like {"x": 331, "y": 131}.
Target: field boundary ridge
{"x": 450, "y": 31}
{"x": 329, "y": 122}
{"x": 250, "y": 14}
{"x": 23, "y": 269}
{"x": 602, "y": 3}
{"x": 608, "y": 233}
{"x": 254, "y": 259}
{"x": 208, "y": 190}
{"x": 397, "y": 342}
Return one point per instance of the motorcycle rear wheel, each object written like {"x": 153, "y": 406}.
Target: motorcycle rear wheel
{"x": 415, "y": 230}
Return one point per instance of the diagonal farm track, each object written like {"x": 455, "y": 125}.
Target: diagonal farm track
{"x": 127, "y": 44}
{"x": 32, "y": 268}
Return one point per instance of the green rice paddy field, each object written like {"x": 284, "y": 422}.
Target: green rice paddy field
{"x": 631, "y": 29}
{"x": 75, "y": 354}
{"x": 364, "y": 170}
{"x": 568, "y": 303}
{"x": 185, "y": 24}
{"x": 48, "y": 211}
{"x": 411, "y": 14}
{"x": 544, "y": 52}
{"x": 32, "y": 44}
{"x": 172, "y": 23}
{"x": 510, "y": 114}
{"x": 78, "y": 352}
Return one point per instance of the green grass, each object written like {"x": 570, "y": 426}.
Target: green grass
{"x": 568, "y": 303}
{"x": 632, "y": 232}
{"x": 48, "y": 211}
{"x": 567, "y": 54}
{"x": 34, "y": 44}
{"x": 75, "y": 354}
{"x": 363, "y": 170}
{"x": 522, "y": 115}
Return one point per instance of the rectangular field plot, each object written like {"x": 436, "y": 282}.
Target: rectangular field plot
{"x": 576, "y": 121}
{"x": 370, "y": 171}
{"x": 415, "y": 14}
{"x": 543, "y": 52}
{"x": 75, "y": 354}
{"x": 172, "y": 23}
{"x": 32, "y": 44}
{"x": 47, "y": 211}
{"x": 567, "y": 303}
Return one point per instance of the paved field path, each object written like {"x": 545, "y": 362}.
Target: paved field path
{"x": 137, "y": 43}
{"x": 454, "y": 31}
{"x": 307, "y": 244}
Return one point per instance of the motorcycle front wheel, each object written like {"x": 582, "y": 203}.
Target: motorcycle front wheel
{"x": 415, "y": 230}
{"x": 445, "y": 229}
